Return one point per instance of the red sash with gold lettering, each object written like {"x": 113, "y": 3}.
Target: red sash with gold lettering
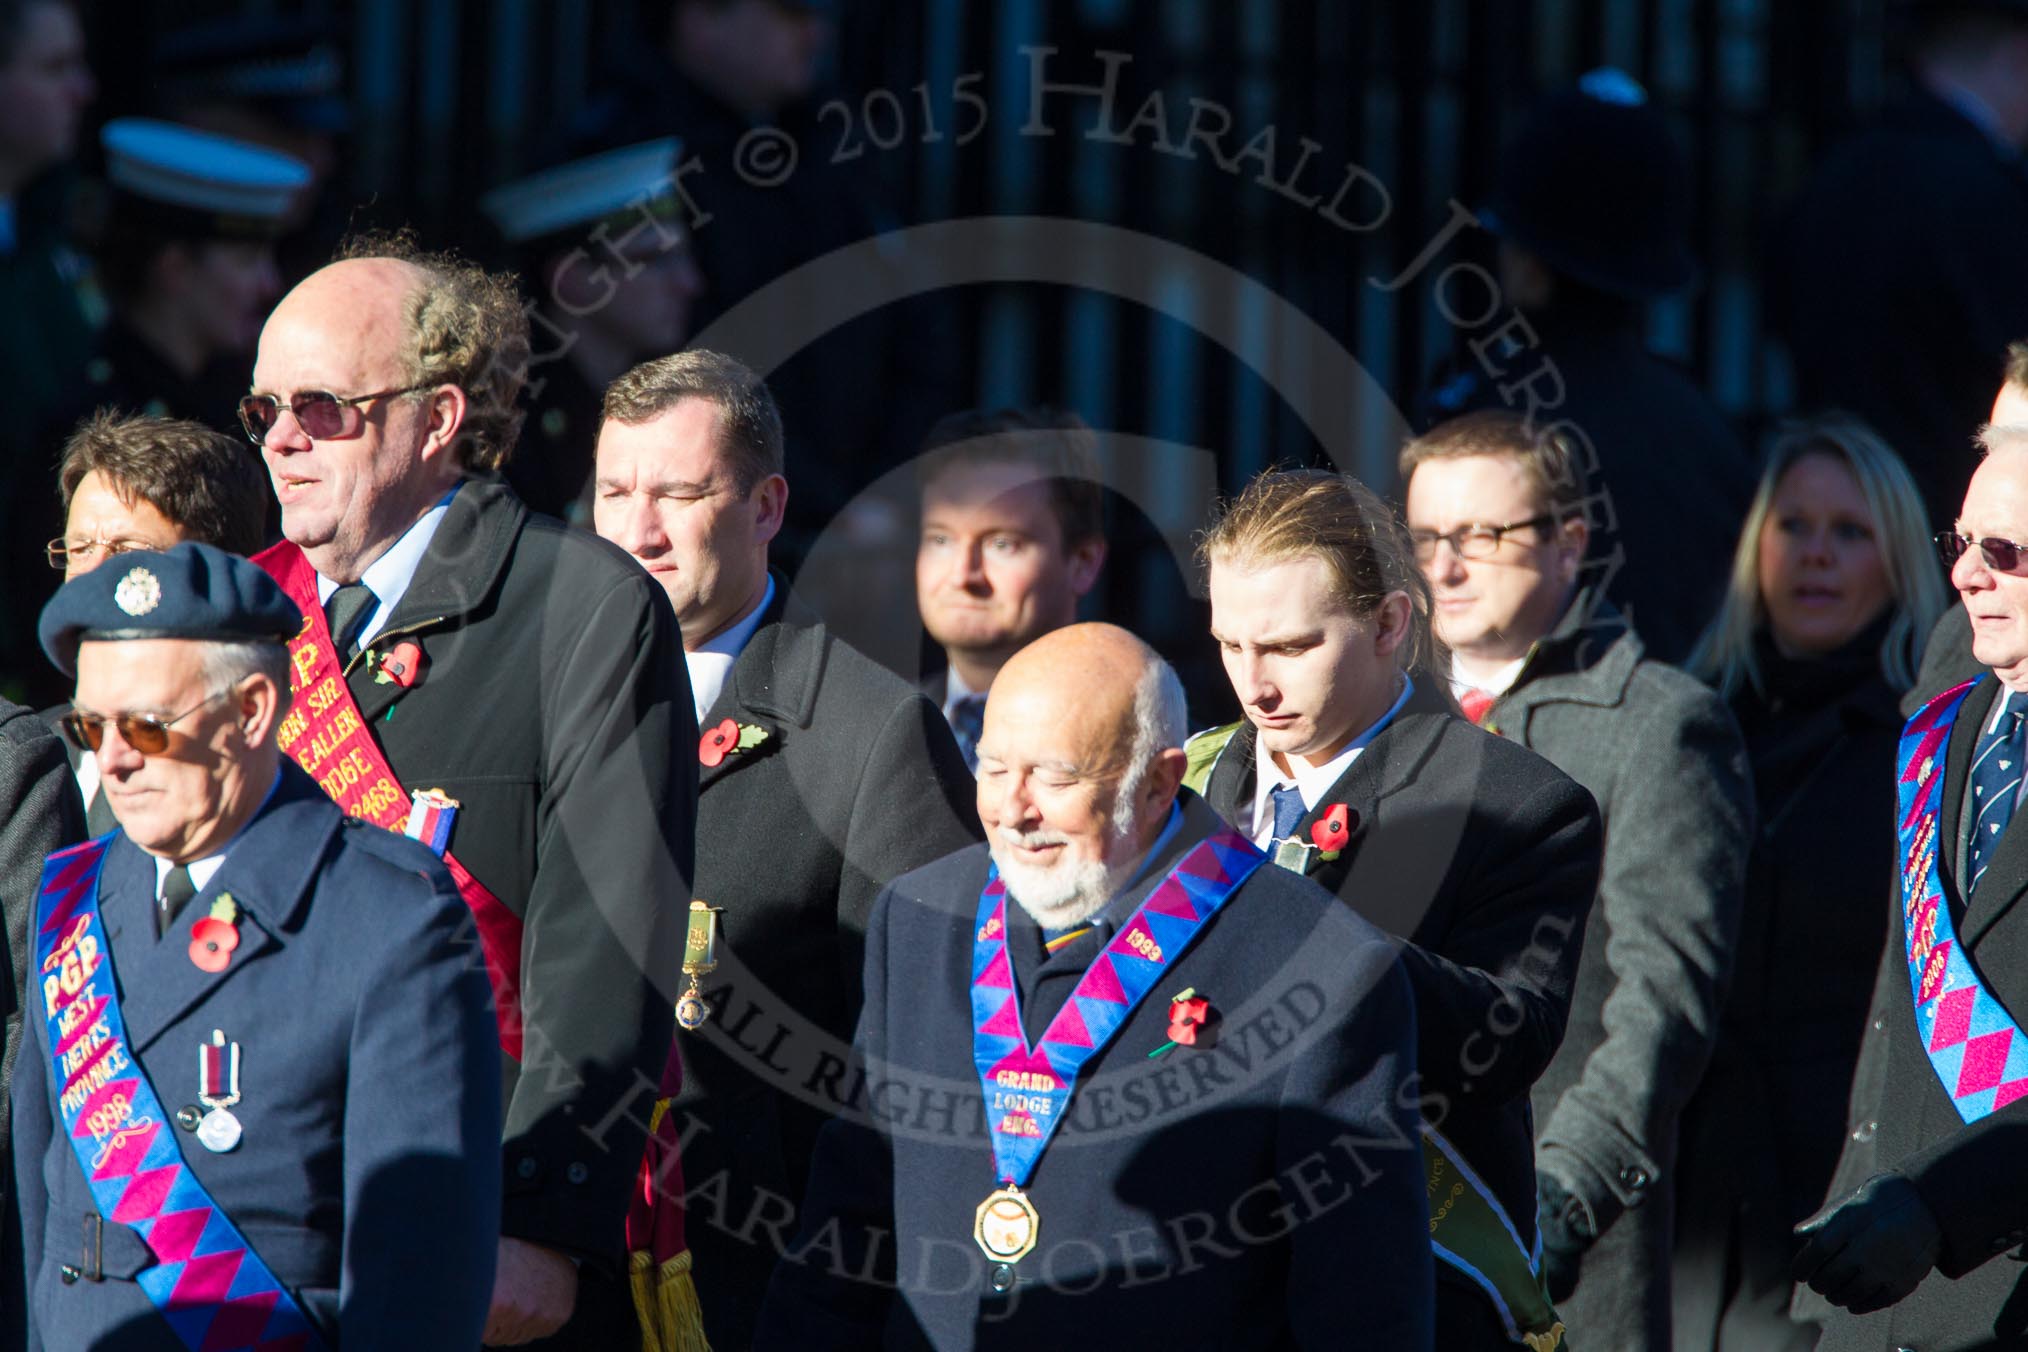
{"x": 327, "y": 735}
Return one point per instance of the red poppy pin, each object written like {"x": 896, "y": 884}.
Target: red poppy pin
{"x": 1332, "y": 831}
{"x": 728, "y": 738}
{"x": 1189, "y": 1013}
{"x": 402, "y": 667}
{"x": 213, "y": 938}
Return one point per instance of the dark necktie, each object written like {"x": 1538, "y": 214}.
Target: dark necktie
{"x": 1289, "y": 811}
{"x": 177, "y": 888}
{"x": 1996, "y": 783}
{"x": 346, "y": 611}
{"x": 968, "y": 720}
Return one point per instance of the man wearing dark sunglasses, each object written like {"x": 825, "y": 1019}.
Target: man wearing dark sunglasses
{"x": 528, "y": 675}
{"x": 225, "y": 1001}
{"x": 1930, "y": 1193}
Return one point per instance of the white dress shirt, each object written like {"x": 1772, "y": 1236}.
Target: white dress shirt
{"x": 955, "y": 690}
{"x": 1498, "y": 683}
{"x": 712, "y": 663}
{"x": 202, "y": 871}
{"x": 389, "y": 576}
{"x": 1313, "y": 784}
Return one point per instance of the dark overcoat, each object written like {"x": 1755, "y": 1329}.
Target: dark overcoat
{"x": 1762, "y": 1134}
{"x": 1974, "y": 1178}
{"x": 368, "y": 1176}
{"x": 552, "y": 466}
{"x": 856, "y": 782}
{"x": 554, "y": 705}
{"x": 1485, "y": 859}
{"x": 1898, "y": 280}
{"x": 1262, "y": 1192}
{"x": 1661, "y": 755}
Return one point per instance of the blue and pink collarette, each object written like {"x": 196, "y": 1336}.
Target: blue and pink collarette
{"x": 1976, "y": 1049}
{"x": 1027, "y": 1089}
{"x": 208, "y": 1283}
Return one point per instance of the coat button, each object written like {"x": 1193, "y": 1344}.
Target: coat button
{"x": 69, "y": 1274}
{"x": 526, "y": 1169}
{"x": 1634, "y": 1177}
{"x": 1865, "y": 1132}
{"x": 1880, "y": 1026}
{"x": 1002, "y": 1279}
{"x": 577, "y": 1173}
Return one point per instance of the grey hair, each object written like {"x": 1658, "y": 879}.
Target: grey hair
{"x": 1161, "y": 720}
{"x": 228, "y": 663}
{"x": 1997, "y": 437}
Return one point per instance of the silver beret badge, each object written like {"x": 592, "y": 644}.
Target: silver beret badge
{"x": 138, "y": 592}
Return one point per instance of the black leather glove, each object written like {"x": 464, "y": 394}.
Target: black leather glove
{"x": 1871, "y": 1249}
{"x": 1566, "y": 1227}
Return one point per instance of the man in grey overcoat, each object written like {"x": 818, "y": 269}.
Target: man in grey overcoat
{"x": 1497, "y": 515}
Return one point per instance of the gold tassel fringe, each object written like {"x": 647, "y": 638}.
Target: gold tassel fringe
{"x": 665, "y": 1298}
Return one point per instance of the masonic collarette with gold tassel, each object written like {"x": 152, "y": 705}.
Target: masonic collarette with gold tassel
{"x": 1469, "y": 1229}
{"x": 1027, "y": 1088}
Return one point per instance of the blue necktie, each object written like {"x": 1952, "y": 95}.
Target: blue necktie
{"x": 1996, "y": 783}
{"x": 1288, "y": 811}
{"x": 968, "y": 719}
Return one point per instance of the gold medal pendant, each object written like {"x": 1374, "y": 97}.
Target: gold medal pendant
{"x": 700, "y": 955}
{"x": 1005, "y": 1225}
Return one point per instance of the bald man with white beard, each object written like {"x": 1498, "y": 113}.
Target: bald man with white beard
{"x": 1121, "y": 1078}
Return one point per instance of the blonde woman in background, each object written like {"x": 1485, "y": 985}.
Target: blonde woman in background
{"x": 1834, "y": 586}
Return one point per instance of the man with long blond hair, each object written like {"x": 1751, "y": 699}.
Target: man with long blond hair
{"x": 1353, "y": 767}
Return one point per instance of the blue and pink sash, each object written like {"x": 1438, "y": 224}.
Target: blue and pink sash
{"x": 1027, "y": 1089}
{"x": 207, "y": 1281}
{"x": 1976, "y": 1049}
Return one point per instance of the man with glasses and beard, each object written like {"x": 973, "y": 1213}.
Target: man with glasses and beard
{"x": 257, "y": 1102}
{"x": 508, "y": 690}
{"x": 1196, "y": 1070}
{"x": 1910, "y": 1255}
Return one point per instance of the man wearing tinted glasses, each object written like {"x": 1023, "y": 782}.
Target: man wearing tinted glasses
{"x": 145, "y": 482}
{"x": 224, "y": 1105}
{"x": 508, "y": 689}
{"x": 1910, "y": 1255}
